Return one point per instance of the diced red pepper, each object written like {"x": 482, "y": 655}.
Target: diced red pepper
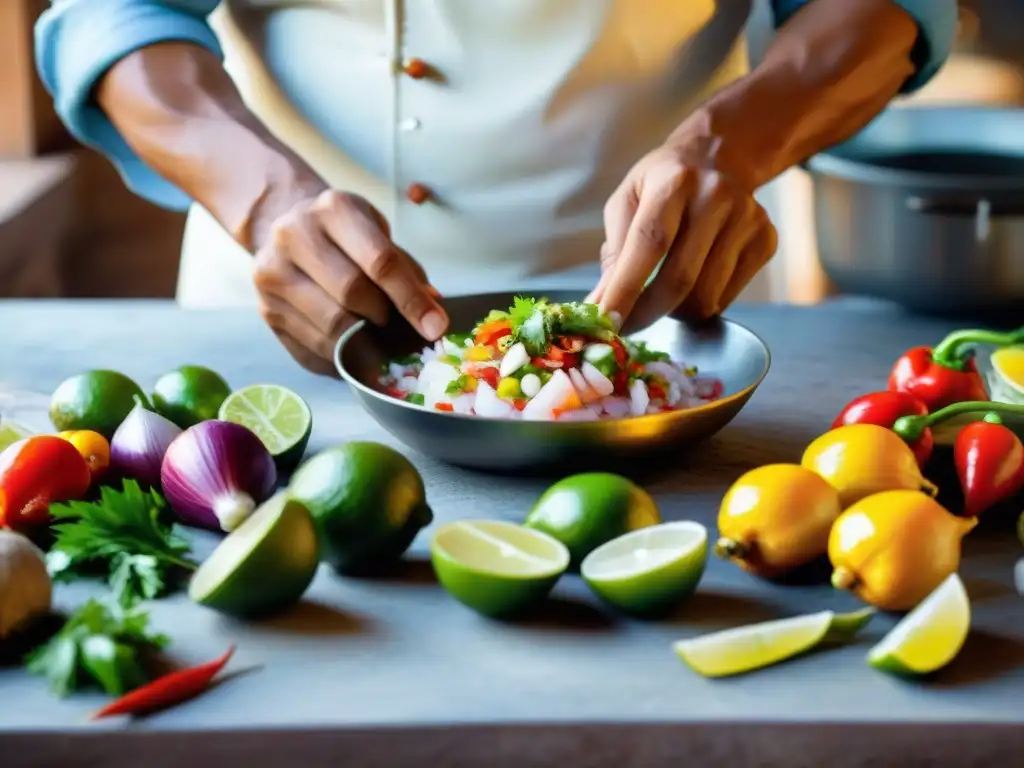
{"x": 490, "y": 333}
{"x": 621, "y": 356}
{"x": 656, "y": 391}
{"x": 487, "y": 373}
{"x": 447, "y": 407}
{"x": 557, "y": 355}
{"x": 395, "y": 392}
{"x": 621, "y": 382}
{"x": 572, "y": 344}
{"x": 518, "y": 404}
{"x": 714, "y": 389}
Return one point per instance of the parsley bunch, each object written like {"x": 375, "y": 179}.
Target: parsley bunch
{"x": 98, "y": 644}
{"x": 124, "y": 534}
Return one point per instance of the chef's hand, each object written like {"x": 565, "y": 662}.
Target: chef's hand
{"x": 675, "y": 204}
{"x": 327, "y": 261}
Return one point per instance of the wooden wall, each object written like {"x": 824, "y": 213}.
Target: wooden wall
{"x": 68, "y": 225}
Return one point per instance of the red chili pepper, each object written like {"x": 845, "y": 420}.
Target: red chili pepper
{"x": 447, "y": 407}
{"x": 621, "y": 382}
{"x": 656, "y": 391}
{"x": 883, "y": 408}
{"x": 572, "y": 344}
{"x": 166, "y": 691}
{"x": 947, "y": 374}
{"x": 558, "y": 355}
{"x": 36, "y": 472}
{"x": 989, "y": 460}
{"x": 621, "y": 355}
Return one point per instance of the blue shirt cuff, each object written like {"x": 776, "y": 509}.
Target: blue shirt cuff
{"x": 936, "y": 22}
{"x": 77, "y": 41}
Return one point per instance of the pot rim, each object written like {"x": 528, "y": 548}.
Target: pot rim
{"x": 847, "y": 169}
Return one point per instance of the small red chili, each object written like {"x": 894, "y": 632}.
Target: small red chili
{"x": 621, "y": 356}
{"x": 989, "y": 461}
{"x": 947, "y": 374}
{"x": 883, "y": 409}
{"x": 173, "y": 688}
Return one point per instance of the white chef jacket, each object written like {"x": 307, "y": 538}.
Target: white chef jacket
{"x": 490, "y": 133}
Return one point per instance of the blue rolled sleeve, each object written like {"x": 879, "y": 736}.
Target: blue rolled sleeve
{"x": 77, "y": 41}
{"x": 936, "y": 22}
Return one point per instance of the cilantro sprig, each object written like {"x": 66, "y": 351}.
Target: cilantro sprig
{"x": 100, "y": 645}
{"x": 124, "y": 534}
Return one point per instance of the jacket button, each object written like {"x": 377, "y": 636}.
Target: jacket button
{"x": 416, "y": 68}
{"x": 417, "y": 194}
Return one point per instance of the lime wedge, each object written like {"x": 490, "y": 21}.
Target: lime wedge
{"x": 494, "y": 567}
{"x": 930, "y": 636}
{"x": 278, "y": 416}
{"x": 743, "y": 649}
{"x": 11, "y": 432}
{"x": 648, "y": 571}
{"x": 263, "y": 566}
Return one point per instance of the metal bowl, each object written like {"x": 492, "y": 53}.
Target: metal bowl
{"x": 722, "y": 349}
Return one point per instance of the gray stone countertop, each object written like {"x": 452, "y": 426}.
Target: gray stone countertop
{"x": 394, "y": 672}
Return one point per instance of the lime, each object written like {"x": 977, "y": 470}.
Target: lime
{"x": 11, "y": 432}
{"x": 95, "y": 400}
{"x": 743, "y": 649}
{"x": 930, "y": 636}
{"x": 190, "y": 394}
{"x": 585, "y": 511}
{"x": 264, "y": 565}
{"x": 496, "y": 568}
{"x": 278, "y": 416}
{"x": 369, "y": 503}
{"x": 648, "y": 571}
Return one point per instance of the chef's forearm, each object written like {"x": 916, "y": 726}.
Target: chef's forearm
{"x": 178, "y": 109}
{"x": 830, "y": 70}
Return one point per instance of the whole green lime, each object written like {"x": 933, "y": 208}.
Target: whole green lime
{"x": 587, "y": 510}
{"x": 369, "y": 503}
{"x": 96, "y": 400}
{"x": 190, "y": 394}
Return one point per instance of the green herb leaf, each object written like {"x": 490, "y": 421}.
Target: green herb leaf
{"x": 123, "y": 534}
{"x": 416, "y": 398}
{"x": 523, "y": 309}
{"x": 98, "y": 644}
{"x": 458, "y": 386}
{"x": 576, "y": 318}
{"x": 639, "y": 352}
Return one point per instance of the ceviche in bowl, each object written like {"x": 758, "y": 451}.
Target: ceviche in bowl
{"x": 545, "y": 386}
{"x": 546, "y": 361}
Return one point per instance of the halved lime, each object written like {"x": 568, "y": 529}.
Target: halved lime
{"x": 494, "y": 567}
{"x": 11, "y": 432}
{"x": 278, "y": 416}
{"x": 743, "y": 649}
{"x": 264, "y": 565}
{"x": 930, "y": 636}
{"x": 648, "y": 571}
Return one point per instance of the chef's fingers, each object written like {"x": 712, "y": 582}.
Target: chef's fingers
{"x": 754, "y": 256}
{"x": 651, "y": 234}
{"x": 308, "y": 360}
{"x": 285, "y": 321}
{"x": 738, "y": 230}
{"x": 277, "y": 272}
{"x": 678, "y": 275}
{"x": 358, "y": 233}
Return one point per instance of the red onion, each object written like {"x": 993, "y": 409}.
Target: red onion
{"x": 215, "y": 473}
{"x": 138, "y": 446}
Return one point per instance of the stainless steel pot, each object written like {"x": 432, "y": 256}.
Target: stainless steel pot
{"x": 925, "y": 208}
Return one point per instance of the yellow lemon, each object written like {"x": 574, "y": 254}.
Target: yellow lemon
{"x": 859, "y": 460}
{"x": 776, "y": 518}
{"x": 893, "y": 549}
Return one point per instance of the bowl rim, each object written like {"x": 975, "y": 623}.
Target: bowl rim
{"x": 647, "y": 418}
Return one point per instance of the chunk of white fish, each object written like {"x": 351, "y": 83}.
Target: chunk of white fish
{"x": 600, "y": 383}
{"x": 639, "y": 398}
{"x": 489, "y": 405}
{"x": 557, "y": 395}
{"x": 515, "y": 358}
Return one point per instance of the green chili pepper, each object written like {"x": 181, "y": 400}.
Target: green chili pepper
{"x": 910, "y": 428}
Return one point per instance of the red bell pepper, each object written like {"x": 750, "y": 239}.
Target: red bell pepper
{"x": 36, "y": 472}
{"x": 989, "y": 460}
{"x": 947, "y": 374}
{"x": 883, "y": 409}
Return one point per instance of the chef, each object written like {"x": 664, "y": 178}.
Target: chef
{"x": 340, "y": 157}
